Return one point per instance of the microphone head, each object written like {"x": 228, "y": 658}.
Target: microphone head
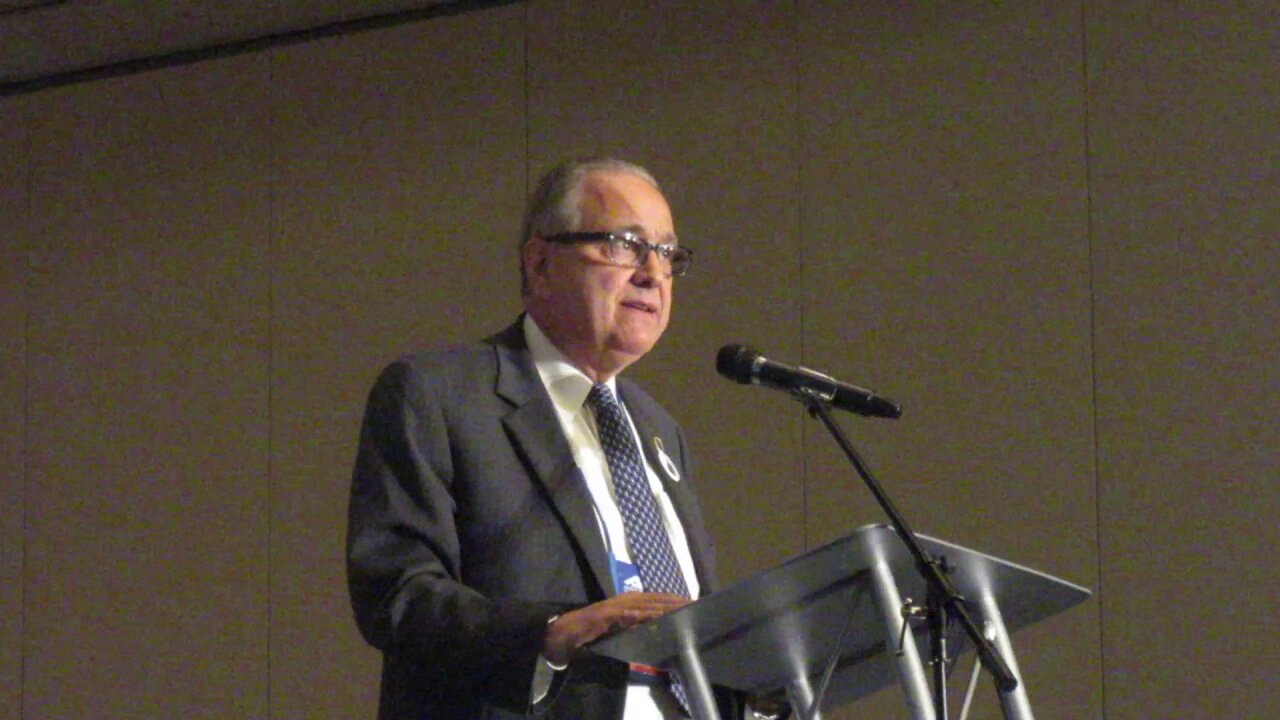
{"x": 735, "y": 361}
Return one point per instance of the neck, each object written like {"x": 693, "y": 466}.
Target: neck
{"x": 598, "y": 365}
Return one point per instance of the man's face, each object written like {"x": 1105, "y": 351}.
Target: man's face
{"x": 602, "y": 316}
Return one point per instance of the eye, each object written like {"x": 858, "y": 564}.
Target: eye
{"x": 629, "y": 242}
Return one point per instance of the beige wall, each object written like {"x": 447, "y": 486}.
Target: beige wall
{"x": 1048, "y": 229}
{"x": 1185, "y": 180}
{"x": 146, "y": 534}
{"x": 13, "y": 425}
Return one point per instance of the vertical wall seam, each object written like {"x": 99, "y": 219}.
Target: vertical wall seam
{"x": 1093, "y": 351}
{"x": 271, "y": 351}
{"x": 528, "y": 180}
{"x": 797, "y": 64}
{"x": 28, "y": 271}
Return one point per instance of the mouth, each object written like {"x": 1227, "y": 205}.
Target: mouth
{"x": 641, "y": 306}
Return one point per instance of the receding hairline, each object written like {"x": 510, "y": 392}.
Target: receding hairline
{"x": 574, "y": 177}
{"x": 594, "y": 187}
{"x": 555, "y": 205}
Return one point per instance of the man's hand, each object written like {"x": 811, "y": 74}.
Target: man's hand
{"x": 577, "y": 628}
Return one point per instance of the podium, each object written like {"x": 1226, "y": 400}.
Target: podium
{"x": 832, "y": 621}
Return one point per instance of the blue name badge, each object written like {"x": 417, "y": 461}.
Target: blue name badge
{"x": 626, "y": 577}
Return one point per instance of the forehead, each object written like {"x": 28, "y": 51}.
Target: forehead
{"x": 623, "y": 201}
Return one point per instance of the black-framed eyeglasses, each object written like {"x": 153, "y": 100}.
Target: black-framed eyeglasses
{"x": 630, "y": 249}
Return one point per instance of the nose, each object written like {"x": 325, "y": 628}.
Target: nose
{"x": 653, "y": 270}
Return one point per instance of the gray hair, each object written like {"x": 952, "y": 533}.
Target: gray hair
{"x": 556, "y": 203}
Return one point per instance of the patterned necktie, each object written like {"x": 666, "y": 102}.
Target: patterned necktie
{"x": 647, "y": 537}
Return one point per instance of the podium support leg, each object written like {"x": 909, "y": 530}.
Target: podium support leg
{"x": 1015, "y": 703}
{"x": 693, "y": 675}
{"x": 911, "y": 675}
{"x": 800, "y": 694}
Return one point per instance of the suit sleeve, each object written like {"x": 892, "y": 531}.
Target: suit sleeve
{"x": 403, "y": 556}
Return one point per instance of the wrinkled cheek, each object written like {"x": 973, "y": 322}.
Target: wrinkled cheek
{"x": 641, "y": 332}
{"x": 603, "y": 317}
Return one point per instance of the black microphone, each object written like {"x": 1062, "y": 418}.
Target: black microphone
{"x": 743, "y": 364}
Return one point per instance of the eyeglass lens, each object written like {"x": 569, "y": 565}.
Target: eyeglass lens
{"x": 630, "y": 250}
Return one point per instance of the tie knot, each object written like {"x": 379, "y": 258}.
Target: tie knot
{"x": 600, "y": 397}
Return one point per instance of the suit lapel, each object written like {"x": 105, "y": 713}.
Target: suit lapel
{"x": 535, "y": 432}
{"x": 678, "y": 489}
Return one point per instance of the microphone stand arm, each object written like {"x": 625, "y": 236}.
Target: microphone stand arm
{"x": 944, "y": 596}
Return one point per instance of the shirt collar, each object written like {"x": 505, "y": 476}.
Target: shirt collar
{"x": 567, "y": 385}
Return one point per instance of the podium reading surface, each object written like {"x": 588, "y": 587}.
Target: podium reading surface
{"x": 784, "y": 623}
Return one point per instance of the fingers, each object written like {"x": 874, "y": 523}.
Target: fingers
{"x": 643, "y": 602}
{"x": 575, "y": 629}
{"x": 623, "y": 611}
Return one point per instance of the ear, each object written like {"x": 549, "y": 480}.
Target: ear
{"x": 535, "y": 259}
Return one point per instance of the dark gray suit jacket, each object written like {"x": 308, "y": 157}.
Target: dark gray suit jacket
{"x": 470, "y": 525}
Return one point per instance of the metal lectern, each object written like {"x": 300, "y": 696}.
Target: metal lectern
{"x": 831, "y": 622}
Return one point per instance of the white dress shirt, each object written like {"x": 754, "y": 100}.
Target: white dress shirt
{"x": 568, "y": 388}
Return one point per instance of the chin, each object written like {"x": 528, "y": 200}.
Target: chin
{"x": 635, "y": 349}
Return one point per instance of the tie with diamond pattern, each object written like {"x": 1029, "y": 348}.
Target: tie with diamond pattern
{"x": 647, "y": 537}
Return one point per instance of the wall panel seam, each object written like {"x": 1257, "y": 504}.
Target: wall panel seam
{"x": 800, "y": 149}
{"x": 271, "y": 352}
{"x": 1093, "y": 351}
{"x": 528, "y": 179}
{"x": 26, "y": 248}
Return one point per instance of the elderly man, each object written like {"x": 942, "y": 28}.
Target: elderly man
{"x": 514, "y": 500}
